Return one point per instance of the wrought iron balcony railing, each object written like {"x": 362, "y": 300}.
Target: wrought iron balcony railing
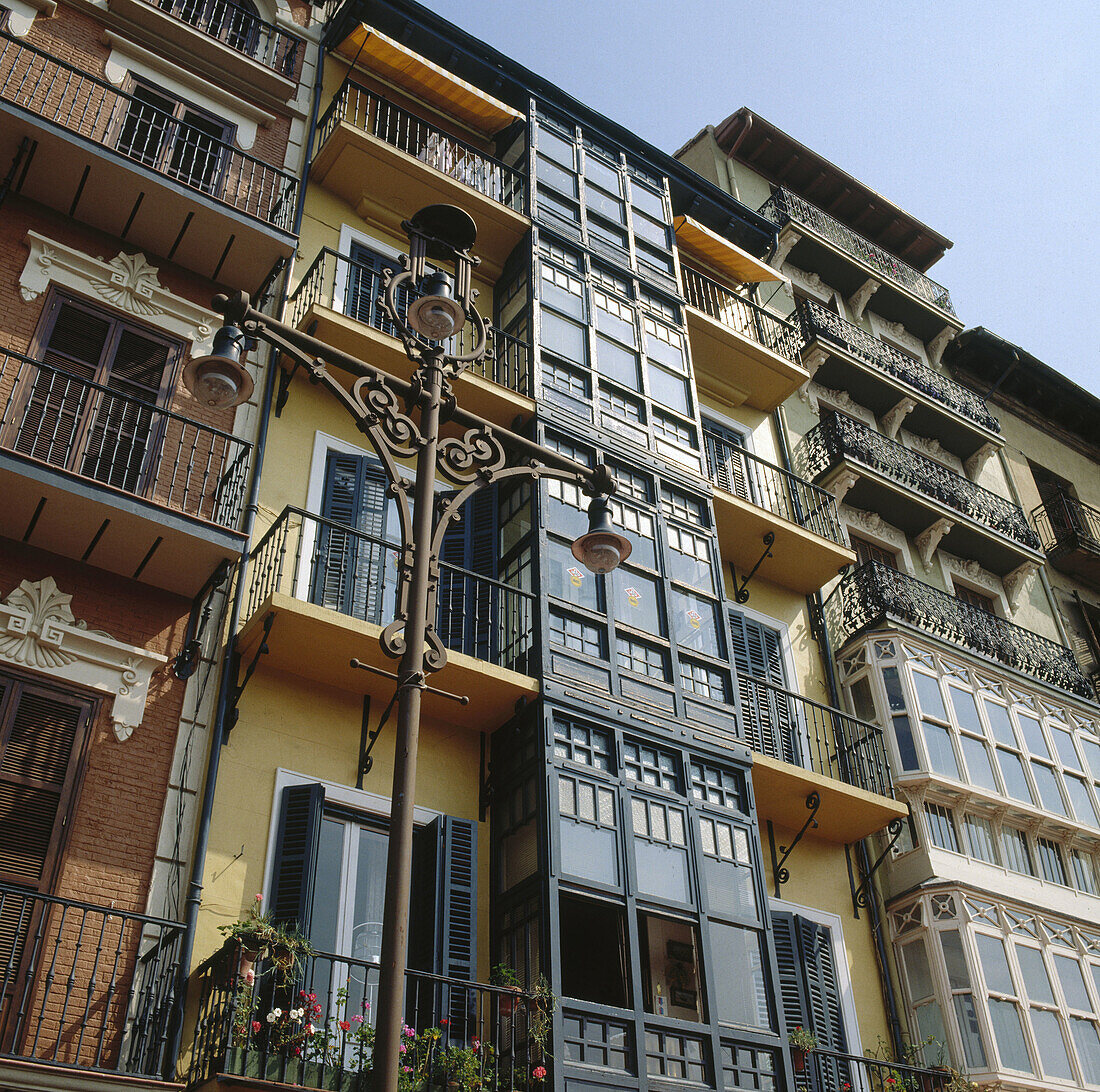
{"x": 785, "y": 725}
{"x": 241, "y": 29}
{"x": 354, "y": 288}
{"x": 370, "y": 112}
{"x": 137, "y": 129}
{"x": 759, "y": 482}
{"x": 747, "y": 318}
{"x": 465, "y": 1034}
{"x": 333, "y": 565}
{"x": 95, "y": 432}
{"x": 820, "y": 322}
{"x": 784, "y": 206}
{"x": 839, "y": 438}
{"x": 873, "y": 594}
{"x": 87, "y": 987}
{"x": 825, "y": 1070}
{"x": 1064, "y": 522}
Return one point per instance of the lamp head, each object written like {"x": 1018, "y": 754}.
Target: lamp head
{"x": 603, "y": 547}
{"x": 219, "y": 379}
{"x": 444, "y": 230}
{"x": 436, "y": 315}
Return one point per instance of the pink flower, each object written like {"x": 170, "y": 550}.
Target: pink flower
{"x": 259, "y": 897}
{"x": 539, "y": 1072}
{"x": 302, "y": 993}
{"x": 444, "y": 1022}
{"x": 406, "y": 1069}
{"x": 316, "y": 1010}
{"x": 309, "y": 1029}
{"x": 475, "y": 1043}
{"x": 344, "y": 1025}
{"x": 312, "y": 996}
{"x": 357, "y": 1019}
{"x": 250, "y": 976}
{"x": 256, "y": 1026}
{"x": 403, "y": 1048}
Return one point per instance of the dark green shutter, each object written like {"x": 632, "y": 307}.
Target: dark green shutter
{"x": 727, "y": 466}
{"x": 469, "y": 610}
{"x": 770, "y": 725}
{"x": 292, "y": 877}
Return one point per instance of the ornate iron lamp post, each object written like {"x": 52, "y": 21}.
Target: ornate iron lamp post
{"x": 402, "y": 422}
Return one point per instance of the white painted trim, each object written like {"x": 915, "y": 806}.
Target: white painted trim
{"x": 840, "y": 952}
{"x": 21, "y": 14}
{"x": 127, "y": 57}
{"x": 38, "y": 630}
{"x": 127, "y": 282}
{"x": 348, "y": 235}
{"x": 369, "y": 803}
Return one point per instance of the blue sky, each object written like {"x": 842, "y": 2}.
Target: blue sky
{"x": 978, "y": 118}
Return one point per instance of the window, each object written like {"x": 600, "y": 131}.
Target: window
{"x": 594, "y": 963}
{"x": 975, "y": 598}
{"x": 770, "y": 725}
{"x": 941, "y": 827}
{"x": 112, "y": 435}
{"x": 175, "y": 138}
{"x": 236, "y": 23}
{"x": 870, "y": 551}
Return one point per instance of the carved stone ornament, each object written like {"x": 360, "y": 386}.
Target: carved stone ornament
{"x": 842, "y": 484}
{"x": 932, "y": 448}
{"x": 892, "y": 418}
{"x": 940, "y": 342}
{"x": 841, "y": 400}
{"x": 873, "y": 523}
{"x": 812, "y": 282}
{"x": 899, "y": 333}
{"x": 862, "y": 296}
{"x": 39, "y": 631}
{"x": 974, "y": 572}
{"x": 976, "y": 463}
{"x": 126, "y": 281}
{"x": 788, "y": 240}
{"x": 1016, "y": 581}
{"x": 929, "y": 539}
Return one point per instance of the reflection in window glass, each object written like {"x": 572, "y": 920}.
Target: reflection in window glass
{"x": 1012, "y": 770}
{"x": 1052, "y": 1047}
{"x": 966, "y": 710}
{"x": 567, "y": 579}
{"x": 917, "y": 970}
{"x": 742, "y": 997}
{"x": 1073, "y": 983}
{"x": 1036, "y": 979}
{"x": 1001, "y": 725}
{"x": 695, "y": 623}
{"x": 1067, "y": 752}
{"x": 1088, "y": 1048}
{"x": 991, "y": 952}
{"x": 958, "y": 974}
{"x": 1047, "y": 782}
{"x": 1083, "y": 808}
{"x": 979, "y": 839}
{"x": 1009, "y": 1034}
{"x": 617, "y": 363}
{"x": 941, "y": 755}
{"x": 929, "y": 696}
{"x": 564, "y": 337}
{"x": 967, "y": 1016}
{"x": 1033, "y": 736}
{"x": 1017, "y": 855}
{"x": 978, "y": 766}
{"x": 637, "y": 601}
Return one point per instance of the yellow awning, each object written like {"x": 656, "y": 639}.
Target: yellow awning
{"x": 400, "y": 65}
{"x": 723, "y": 255}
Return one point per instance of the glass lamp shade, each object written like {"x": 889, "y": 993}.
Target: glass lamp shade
{"x": 602, "y": 548}
{"x": 437, "y": 315}
{"x": 219, "y": 379}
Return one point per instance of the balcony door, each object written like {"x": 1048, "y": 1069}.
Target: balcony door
{"x": 92, "y": 408}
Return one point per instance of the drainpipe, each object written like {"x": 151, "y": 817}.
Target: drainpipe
{"x": 821, "y": 634}
{"x": 227, "y": 681}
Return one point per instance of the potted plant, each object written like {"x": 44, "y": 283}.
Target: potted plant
{"x": 802, "y": 1042}
{"x": 257, "y": 937}
{"x": 503, "y": 975}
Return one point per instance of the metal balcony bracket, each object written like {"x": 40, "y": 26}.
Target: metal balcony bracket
{"x": 232, "y": 713}
{"x": 780, "y": 873}
{"x": 741, "y": 594}
{"x": 861, "y": 895}
{"x": 283, "y": 392}
{"x": 187, "y": 659}
{"x": 22, "y": 158}
{"x": 485, "y": 788}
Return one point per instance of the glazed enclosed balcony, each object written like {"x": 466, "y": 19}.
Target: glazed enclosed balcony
{"x": 128, "y": 165}
{"x": 875, "y": 595}
{"x": 223, "y": 39}
{"x": 741, "y": 352}
{"x": 115, "y": 480}
{"x": 817, "y": 242}
{"x": 801, "y": 747}
{"x": 338, "y": 301}
{"x": 927, "y": 500}
{"x": 332, "y": 588}
{"x": 1070, "y": 533}
{"x": 88, "y": 993}
{"x": 384, "y": 160}
{"x": 880, "y": 377}
{"x": 754, "y": 499}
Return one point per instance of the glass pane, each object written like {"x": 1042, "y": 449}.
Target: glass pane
{"x": 617, "y": 363}
{"x": 894, "y": 693}
{"x": 1005, "y": 1018}
{"x": 552, "y": 145}
{"x": 1088, "y": 1048}
{"x": 966, "y": 710}
{"x": 1067, "y": 752}
{"x": 370, "y": 890}
{"x": 1047, "y": 781}
{"x": 1079, "y": 797}
{"x": 928, "y": 695}
{"x": 1017, "y": 855}
{"x": 695, "y": 622}
{"x": 930, "y": 1026}
{"x": 669, "y": 390}
{"x": 958, "y": 974}
{"x": 979, "y": 839}
{"x": 1073, "y": 983}
{"x": 1052, "y": 1047}
{"x": 637, "y": 601}
{"x": 671, "y": 972}
{"x": 1036, "y": 979}
{"x": 907, "y": 748}
{"x": 967, "y": 1017}
{"x": 617, "y": 324}
{"x": 941, "y": 755}
{"x": 662, "y": 871}
{"x": 1092, "y": 755}
{"x": 1012, "y": 769}
{"x": 742, "y": 997}
{"x": 567, "y": 579}
{"x": 991, "y": 951}
{"x": 1001, "y": 725}
{"x": 917, "y": 970}
{"x": 1033, "y": 736}
{"x": 323, "y": 921}
{"x": 978, "y": 765}
{"x": 562, "y": 292}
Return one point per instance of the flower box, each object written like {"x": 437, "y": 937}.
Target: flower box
{"x": 260, "y": 1065}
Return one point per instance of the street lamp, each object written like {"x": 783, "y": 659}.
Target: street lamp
{"x": 383, "y": 407}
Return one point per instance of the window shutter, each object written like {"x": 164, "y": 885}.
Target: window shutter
{"x": 769, "y": 718}
{"x": 726, "y": 463}
{"x": 292, "y": 876}
{"x": 786, "y": 958}
{"x": 469, "y": 609}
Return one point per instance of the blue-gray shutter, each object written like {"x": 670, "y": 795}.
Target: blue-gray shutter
{"x": 770, "y": 725}
{"x": 293, "y": 871}
{"x": 469, "y": 610}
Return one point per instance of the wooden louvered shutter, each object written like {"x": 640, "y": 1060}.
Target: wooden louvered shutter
{"x": 468, "y": 609}
{"x": 769, "y": 717}
{"x": 293, "y": 872}
{"x": 728, "y": 466}
{"x": 791, "y": 995}
{"x": 41, "y": 732}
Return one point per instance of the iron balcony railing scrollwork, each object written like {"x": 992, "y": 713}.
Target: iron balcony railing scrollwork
{"x": 98, "y": 433}
{"x": 825, "y": 1070}
{"x": 371, "y": 113}
{"x": 1064, "y": 522}
{"x": 819, "y": 322}
{"x": 784, "y": 206}
{"x": 794, "y": 729}
{"x": 778, "y": 491}
{"x": 838, "y": 437}
{"x": 460, "y": 1034}
{"x": 874, "y": 593}
{"x": 354, "y": 288}
{"x": 139, "y": 130}
{"x": 746, "y": 317}
{"x": 241, "y": 29}
{"x": 337, "y": 566}
{"x": 87, "y": 987}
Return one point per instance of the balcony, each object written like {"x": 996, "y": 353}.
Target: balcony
{"x": 831, "y": 1070}
{"x": 753, "y": 498}
{"x": 119, "y": 163}
{"x": 845, "y": 259}
{"x": 874, "y": 595}
{"x": 879, "y": 376}
{"x": 741, "y": 353}
{"x": 337, "y": 300}
{"x": 223, "y": 39}
{"x": 116, "y": 481}
{"x": 232, "y": 1038}
{"x": 386, "y": 163}
{"x": 89, "y": 989}
{"x": 1070, "y": 534}
{"x": 914, "y": 493}
{"x": 333, "y": 588}
{"x": 801, "y": 747}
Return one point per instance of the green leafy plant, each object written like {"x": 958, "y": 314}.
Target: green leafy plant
{"x": 801, "y": 1039}
{"x": 257, "y": 936}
